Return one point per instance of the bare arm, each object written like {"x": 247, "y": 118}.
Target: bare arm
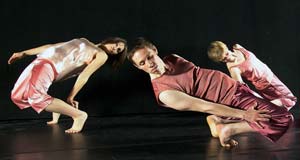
{"x": 29, "y": 52}
{"x": 181, "y": 101}
{"x": 235, "y": 73}
{"x": 237, "y": 46}
{"x": 35, "y": 51}
{"x": 97, "y": 62}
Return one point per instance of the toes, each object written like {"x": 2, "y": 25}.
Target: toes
{"x": 227, "y": 146}
{"x": 72, "y": 131}
{"x": 51, "y": 122}
{"x": 230, "y": 143}
{"x": 233, "y": 142}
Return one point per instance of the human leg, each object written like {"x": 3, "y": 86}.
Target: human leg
{"x": 226, "y": 131}
{"x": 79, "y": 117}
{"x": 213, "y": 121}
{"x": 287, "y": 102}
{"x": 280, "y": 119}
{"x": 31, "y": 90}
{"x": 19, "y": 92}
{"x": 55, "y": 117}
{"x": 42, "y": 77}
{"x": 279, "y": 94}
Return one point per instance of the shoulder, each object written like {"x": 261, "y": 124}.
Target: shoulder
{"x": 178, "y": 62}
{"x": 175, "y": 57}
{"x": 242, "y": 50}
{"x": 90, "y": 44}
{"x": 237, "y": 46}
{"x": 101, "y": 56}
{"x": 172, "y": 58}
{"x": 238, "y": 49}
{"x": 83, "y": 40}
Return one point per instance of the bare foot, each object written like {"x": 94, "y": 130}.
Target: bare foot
{"x": 55, "y": 118}
{"x": 78, "y": 123}
{"x": 212, "y": 122}
{"x": 52, "y": 122}
{"x": 224, "y": 136}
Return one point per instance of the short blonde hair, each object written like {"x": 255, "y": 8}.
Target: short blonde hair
{"x": 215, "y": 50}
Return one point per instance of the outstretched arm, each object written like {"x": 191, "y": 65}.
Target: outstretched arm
{"x": 181, "y": 101}
{"x": 29, "y": 52}
{"x": 97, "y": 62}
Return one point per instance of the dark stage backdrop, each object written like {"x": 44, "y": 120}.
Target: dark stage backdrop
{"x": 268, "y": 28}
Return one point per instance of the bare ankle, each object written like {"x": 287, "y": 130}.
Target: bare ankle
{"x": 82, "y": 115}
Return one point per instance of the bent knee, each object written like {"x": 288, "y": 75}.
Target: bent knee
{"x": 39, "y": 107}
{"x": 288, "y": 102}
{"x": 41, "y": 102}
{"x": 17, "y": 97}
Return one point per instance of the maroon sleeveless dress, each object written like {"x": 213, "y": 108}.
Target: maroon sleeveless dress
{"x": 215, "y": 86}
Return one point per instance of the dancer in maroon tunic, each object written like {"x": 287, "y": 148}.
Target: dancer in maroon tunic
{"x": 181, "y": 85}
{"x": 243, "y": 63}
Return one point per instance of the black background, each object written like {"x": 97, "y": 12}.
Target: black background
{"x": 268, "y": 28}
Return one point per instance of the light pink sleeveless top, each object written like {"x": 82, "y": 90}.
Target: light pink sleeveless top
{"x": 70, "y": 58}
{"x": 254, "y": 70}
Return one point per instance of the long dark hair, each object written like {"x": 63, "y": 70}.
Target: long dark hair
{"x": 115, "y": 60}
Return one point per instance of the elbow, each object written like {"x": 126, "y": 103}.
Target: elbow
{"x": 83, "y": 79}
{"x": 207, "y": 110}
{"x": 179, "y": 106}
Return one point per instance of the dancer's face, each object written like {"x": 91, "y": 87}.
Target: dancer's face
{"x": 115, "y": 48}
{"x": 227, "y": 55}
{"x": 147, "y": 60}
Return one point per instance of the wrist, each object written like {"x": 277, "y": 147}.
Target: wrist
{"x": 243, "y": 115}
{"x": 69, "y": 98}
{"x": 23, "y": 54}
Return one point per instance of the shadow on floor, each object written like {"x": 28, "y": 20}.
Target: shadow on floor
{"x": 149, "y": 137}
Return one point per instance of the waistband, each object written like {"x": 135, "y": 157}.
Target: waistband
{"x": 46, "y": 61}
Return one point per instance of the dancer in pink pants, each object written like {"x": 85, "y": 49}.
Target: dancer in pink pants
{"x": 242, "y": 63}
{"x": 56, "y": 62}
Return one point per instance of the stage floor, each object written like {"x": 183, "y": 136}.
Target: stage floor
{"x": 147, "y": 137}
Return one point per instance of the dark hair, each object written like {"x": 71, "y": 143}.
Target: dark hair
{"x": 115, "y": 60}
{"x": 139, "y": 43}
